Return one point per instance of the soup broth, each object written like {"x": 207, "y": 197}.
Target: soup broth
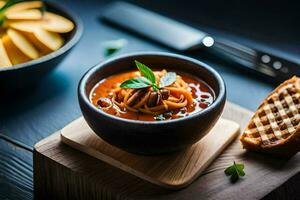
{"x": 184, "y": 97}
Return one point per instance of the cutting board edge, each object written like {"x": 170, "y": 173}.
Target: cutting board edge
{"x": 114, "y": 163}
{"x": 169, "y": 185}
{"x": 212, "y": 158}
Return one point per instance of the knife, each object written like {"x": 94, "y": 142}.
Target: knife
{"x": 183, "y": 38}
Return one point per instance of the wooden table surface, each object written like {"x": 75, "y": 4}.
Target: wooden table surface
{"x": 36, "y": 113}
{"x": 85, "y": 177}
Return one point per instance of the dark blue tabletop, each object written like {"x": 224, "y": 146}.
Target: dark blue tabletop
{"x": 48, "y": 108}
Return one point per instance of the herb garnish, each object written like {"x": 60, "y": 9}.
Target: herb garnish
{"x": 167, "y": 80}
{"x": 113, "y": 46}
{"x": 159, "y": 117}
{"x": 148, "y": 79}
{"x": 235, "y": 171}
{"x": 163, "y": 116}
{"x": 139, "y": 82}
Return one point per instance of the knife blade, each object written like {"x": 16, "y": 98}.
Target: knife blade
{"x": 183, "y": 38}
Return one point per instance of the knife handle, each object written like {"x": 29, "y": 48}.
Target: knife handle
{"x": 184, "y": 38}
{"x": 274, "y": 67}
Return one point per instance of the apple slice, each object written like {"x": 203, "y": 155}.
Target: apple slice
{"x": 52, "y": 41}
{"x": 32, "y": 14}
{"x": 23, "y": 6}
{"x": 45, "y": 41}
{"x": 2, "y": 32}
{"x": 25, "y": 26}
{"x": 56, "y": 23}
{"x": 15, "y": 55}
{"x": 4, "y": 59}
{"x": 2, "y": 3}
{"x": 23, "y": 44}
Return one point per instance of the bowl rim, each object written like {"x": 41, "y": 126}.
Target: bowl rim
{"x": 67, "y": 46}
{"x": 218, "y": 101}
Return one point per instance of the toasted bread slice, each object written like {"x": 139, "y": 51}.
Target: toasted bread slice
{"x": 274, "y": 128}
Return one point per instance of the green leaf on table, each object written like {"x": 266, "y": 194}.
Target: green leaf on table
{"x": 113, "y": 46}
{"x": 167, "y": 79}
{"x": 235, "y": 171}
{"x": 139, "y": 82}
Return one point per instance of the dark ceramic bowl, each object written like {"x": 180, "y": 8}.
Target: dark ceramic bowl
{"x": 28, "y": 74}
{"x": 157, "y": 137}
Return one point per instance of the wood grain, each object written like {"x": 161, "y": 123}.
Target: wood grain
{"x": 16, "y": 174}
{"x": 173, "y": 171}
{"x": 61, "y": 172}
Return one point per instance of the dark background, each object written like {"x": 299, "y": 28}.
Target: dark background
{"x": 36, "y": 113}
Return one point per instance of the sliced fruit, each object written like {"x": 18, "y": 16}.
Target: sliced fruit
{"x": 15, "y": 55}
{"x": 24, "y": 6}
{"x": 23, "y": 44}
{"x": 2, "y": 32}
{"x": 45, "y": 41}
{"x": 28, "y": 32}
{"x": 56, "y": 23}
{"x": 50, "y": 40}
{"x": 4, "y": 59}
{"x": 2, "y": 3}
{"x": 32, "y": 14}
{"x": 25, "y": 26}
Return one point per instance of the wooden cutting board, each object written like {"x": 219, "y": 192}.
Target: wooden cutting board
{"x": 61, "y": 172}
{"x": 173, "y": 171}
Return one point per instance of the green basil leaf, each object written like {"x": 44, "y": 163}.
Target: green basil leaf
{"x": 234, "y": 177}
{"x": 229, "y": 170}
{"x": 239, "y": 169}
{"x": 167, "y": 79}
{"x": 240, "y": 166}
{"x": 235, "y": 171}
{"x": 139, "y": 82}
{"x": 241, "y": 173}
{"x": 146, "y": 71}
{"x": 155, "y": 88}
